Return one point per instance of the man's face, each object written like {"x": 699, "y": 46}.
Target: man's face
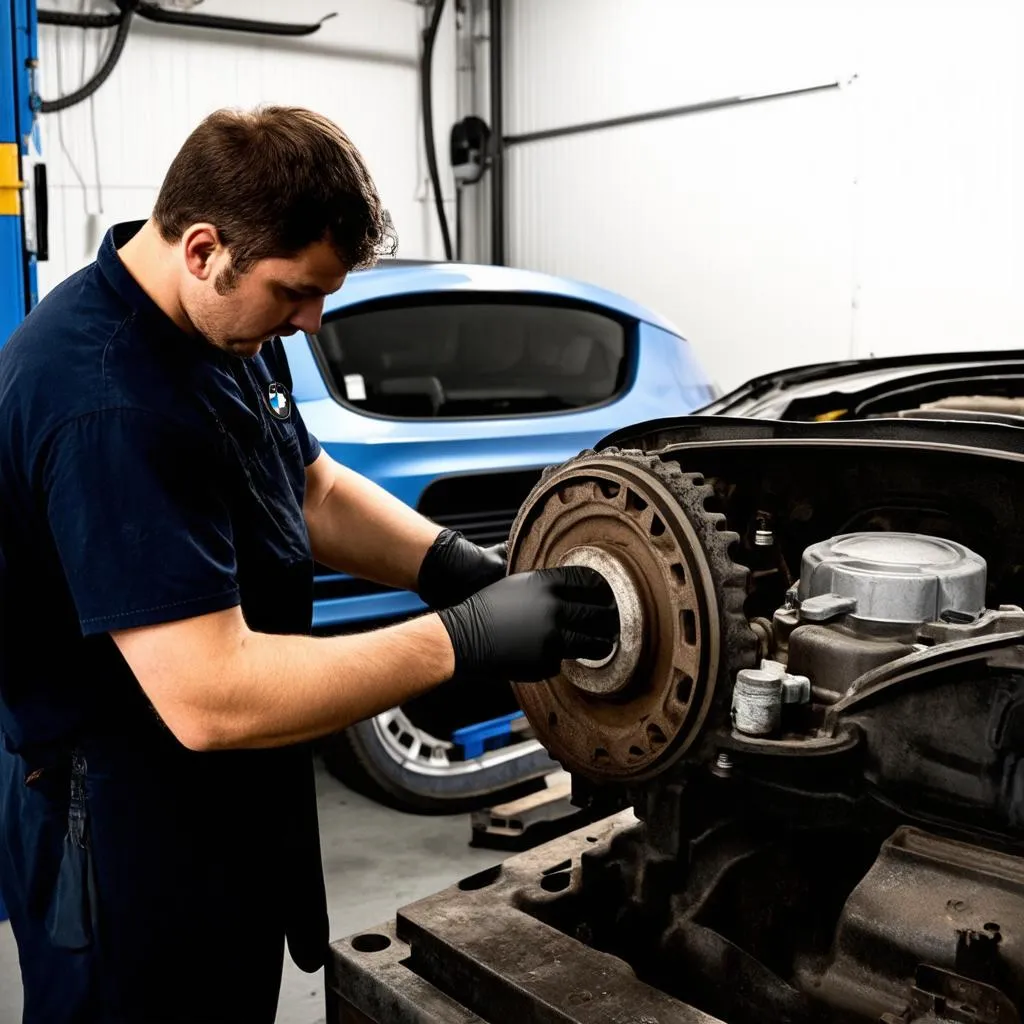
{"x": 239, "y": 312}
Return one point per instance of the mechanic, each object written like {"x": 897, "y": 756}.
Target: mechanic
{"x": 163, "y": 505}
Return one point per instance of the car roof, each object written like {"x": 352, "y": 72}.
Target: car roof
{"x": 413, "y": 277}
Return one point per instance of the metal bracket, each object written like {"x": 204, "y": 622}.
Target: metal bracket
{"x": 941, "y": 997}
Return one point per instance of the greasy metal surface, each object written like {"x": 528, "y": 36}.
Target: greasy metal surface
{"x": 1007, "y": 619}
{"x": 939, "y": 996}
{"x": 500, "y": 964}
{"x": 919, "y": 664}
{"x": 375, "y": 985}
{"x": 630, "y": 508}
{"x": 612, "y": 674}
{"x": 836, "y": 930}
{"x": 834, "y": 656}
{"x": 926, "y": 900}
{"x": 759, "y": 902}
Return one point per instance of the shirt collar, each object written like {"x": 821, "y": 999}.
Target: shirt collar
{"x": 118, "y": 275}
{"x": 133, "y": 295}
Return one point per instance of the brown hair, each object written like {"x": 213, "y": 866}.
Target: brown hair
{"x": 273, "y": 181}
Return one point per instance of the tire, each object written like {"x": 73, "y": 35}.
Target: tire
{"x": 419, "y": 777}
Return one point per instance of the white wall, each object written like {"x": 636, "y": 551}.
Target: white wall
{"x": 881, "y": 217}
{"x": 876, "y": 218}
{"x": 360, "y": 69}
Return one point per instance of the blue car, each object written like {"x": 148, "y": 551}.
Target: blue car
{"x": 453, "y": 386}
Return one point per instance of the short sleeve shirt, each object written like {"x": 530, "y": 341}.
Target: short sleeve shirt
{"x": 121, "y": 438}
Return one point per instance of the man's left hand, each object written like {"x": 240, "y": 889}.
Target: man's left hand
{"x": 455, "y": 568}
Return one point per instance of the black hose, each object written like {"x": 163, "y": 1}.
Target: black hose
{"x": 151, "y": 12}
{"x": 63, "y": 102}
{"x": 426, "y": 88}
{"x": 68, "y": 20}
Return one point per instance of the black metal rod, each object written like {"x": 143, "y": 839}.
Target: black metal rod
{"x": 658, "y": 115}
{"x": 497, "y": 137}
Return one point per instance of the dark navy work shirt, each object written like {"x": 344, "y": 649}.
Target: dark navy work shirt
{"x": 146, "y": 476}
{"x": 113, "y": 511}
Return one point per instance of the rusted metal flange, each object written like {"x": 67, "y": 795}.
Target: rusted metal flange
{"x": 642, "y": 523}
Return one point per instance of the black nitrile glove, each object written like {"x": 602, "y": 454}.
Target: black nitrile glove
{"x": 455, "y": 568}
{"x": 523, "y": 627}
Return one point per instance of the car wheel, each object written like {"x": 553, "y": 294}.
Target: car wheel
{"x": 397, "y": 763}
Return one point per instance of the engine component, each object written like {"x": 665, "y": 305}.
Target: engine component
{"x": 795, "y": 689}
{"x": 644, "y": 525}
{"x": 834, "y": 655}
{"x": 898, "y": 578}
{"x": 927, "y": 932}
{"x": 834, "y": 838}
{"x": 757, "y": 702}
{"x": 601, "y": 677}
{"x": 884, "y": 932}
{"x": 867, "y": 599}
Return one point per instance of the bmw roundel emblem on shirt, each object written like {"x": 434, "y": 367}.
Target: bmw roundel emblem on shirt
{"x": 278, "y": 402}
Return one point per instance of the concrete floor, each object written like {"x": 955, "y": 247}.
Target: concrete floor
{"x": 375, "y": 860}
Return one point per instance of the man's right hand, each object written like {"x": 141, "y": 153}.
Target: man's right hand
{"x": 522, "y": 627}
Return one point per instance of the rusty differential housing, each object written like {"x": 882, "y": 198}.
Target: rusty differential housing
{"x": 645, "y": 525}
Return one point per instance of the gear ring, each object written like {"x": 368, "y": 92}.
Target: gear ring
{"x": 649, "y": 518}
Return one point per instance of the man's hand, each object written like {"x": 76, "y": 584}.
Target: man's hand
{"x": 523, "y": 627}
{"x": 455, "y": 568}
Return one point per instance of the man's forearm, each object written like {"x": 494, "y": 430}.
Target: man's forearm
{"x": 218, "y": 685}
{"x": 333, "y": 682}
{"x": 359, "y": 528}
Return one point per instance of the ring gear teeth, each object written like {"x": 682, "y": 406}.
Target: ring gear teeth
{"x": 735, "y": 643}
{"x": 739, "y": 643}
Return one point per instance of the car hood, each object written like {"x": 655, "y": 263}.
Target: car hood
{"x": 771, "y": 395}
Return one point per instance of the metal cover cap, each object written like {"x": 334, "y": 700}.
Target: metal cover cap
{"x": 906, "y": 578}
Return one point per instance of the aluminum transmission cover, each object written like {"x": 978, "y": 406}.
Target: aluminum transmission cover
{"x": 898, "y": 578}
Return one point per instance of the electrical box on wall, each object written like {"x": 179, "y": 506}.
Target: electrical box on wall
{"x": 470, "y": 141}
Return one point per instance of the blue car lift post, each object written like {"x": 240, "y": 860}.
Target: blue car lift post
{"x": 19, "y": 242}
{"x": 20, "y": 173}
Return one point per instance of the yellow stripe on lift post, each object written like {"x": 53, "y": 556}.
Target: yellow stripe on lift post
{"x": 10, "y": 182}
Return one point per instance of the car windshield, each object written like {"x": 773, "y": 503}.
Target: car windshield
{"x": 475, "y": 358}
